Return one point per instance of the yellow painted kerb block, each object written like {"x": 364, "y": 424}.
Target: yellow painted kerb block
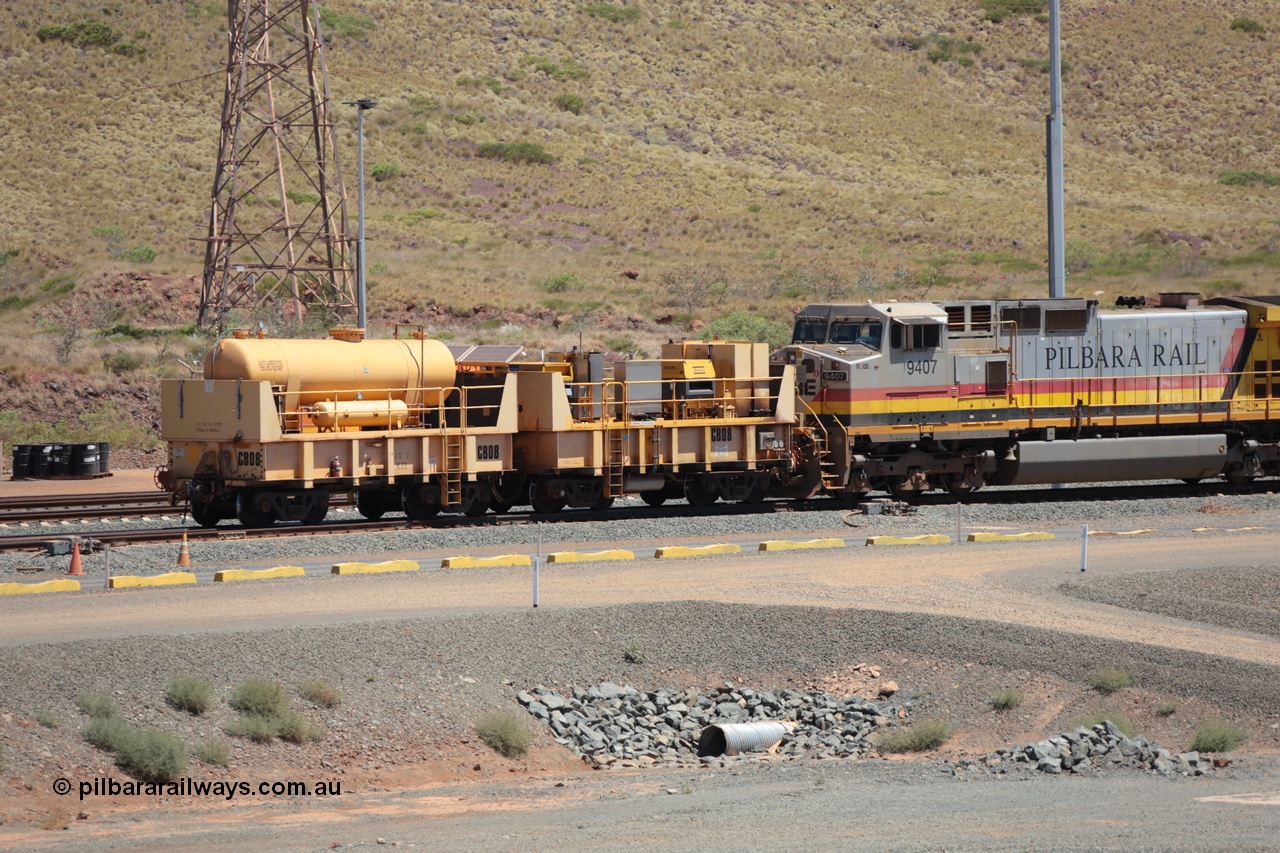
{"x": 1138, "y": 532}
{"x": 166, "y": 579}
{"x": 486, "y": 562}
{"x": 1010, "y": 537}
{"x": 227, "y": 575}
{"x": 375, "y": 568}
{"x": 589, "y": 556}
{"x": 702, "y": 551}
{"x": 64, "y": 585}
{"x": 788, "y": 545}
{"x": 922, "y": 539}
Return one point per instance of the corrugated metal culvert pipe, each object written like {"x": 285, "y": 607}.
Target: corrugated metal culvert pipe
{"x": 733, "y": 738}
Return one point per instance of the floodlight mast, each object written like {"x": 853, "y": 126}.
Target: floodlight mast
{"x": 1053, "y": 123}
{"x": 361, "y": 105}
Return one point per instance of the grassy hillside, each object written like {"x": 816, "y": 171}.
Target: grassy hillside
{"x": 769, "y": 153}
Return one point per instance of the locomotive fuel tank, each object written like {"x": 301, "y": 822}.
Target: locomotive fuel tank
{"x": 414, "y": 370}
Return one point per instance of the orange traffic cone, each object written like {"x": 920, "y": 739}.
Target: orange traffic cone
{"x": 75, "y": 560}
{"x": 184, "y": 556}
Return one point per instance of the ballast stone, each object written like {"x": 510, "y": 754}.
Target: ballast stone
{"x": 1084, "y": 750}
{"x": 617, "y": 726}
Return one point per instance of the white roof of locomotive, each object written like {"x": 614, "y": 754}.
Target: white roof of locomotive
{"x": 911, "y": 313}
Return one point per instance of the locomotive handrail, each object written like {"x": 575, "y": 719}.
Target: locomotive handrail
{"x": 586, "y": 397}
{"x": 1103, "y": 400}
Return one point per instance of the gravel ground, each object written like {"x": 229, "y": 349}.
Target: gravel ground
{"x": 1244, "y": 599}
{"x": 1065, "y": 516}
{"x": 413, "y": 688}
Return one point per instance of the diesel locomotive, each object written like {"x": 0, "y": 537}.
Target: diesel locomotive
{"x": 909, "y": 396}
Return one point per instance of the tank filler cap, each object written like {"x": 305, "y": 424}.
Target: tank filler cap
{"x": 351, "y": 334}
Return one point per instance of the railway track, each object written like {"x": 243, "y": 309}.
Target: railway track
{"x": 87, "y": 507}
{"x": 76, "y": 507}
{"x": 29, "y": 541}
{"x": 231, "y": 533}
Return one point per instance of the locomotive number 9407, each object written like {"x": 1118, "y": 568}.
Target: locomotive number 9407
{"x": 916, "y": 368}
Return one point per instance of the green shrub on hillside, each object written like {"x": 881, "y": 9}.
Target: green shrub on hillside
{"x": 92, "y": 34}
{"x": 940, "y": 48}
{"x": 917, "y": 737}
{"x": 348, "y": 25}
{"x": 214, "y": 752}
{"x": 139, "y": 254}
{"x": 257, "y": 696}
{"x": 300, "y": 197}
{"x": 515, "y": 152}
{"x": 152, "y": 756}
{"x": 561, "y": 282}
{"x": 493, "y": 84}
{"x": 109, "y": 423}
{"x": 1248, "y": 25}
{"x": 82, "y": 35}
{"x": 1216, "y": 736}
{"x": 1079, "y": 255}
{"x": 108, "y": 733}
{"x": 1006, "y": 698}
{"x": 321, "y": 692}
{"x": 998, "y": 10}
{"x": 613, "y": 14}
{"x": 385, "y": 171}
{"x": 123, "y": 361}
{"x": 254, "y": 727}
{"x": 570, "y": 103}
{"x": 100, "y": 706}
{"x": 504, "y": 734}
{"x": 295, "y": 728}
{"x": 1108, "y": 679}
{"x": 421, "y": 215}
{"x": 745, "y": 326}
{"x": 1244, "y": 179}
{"x": 565, "y": 69}
{"x": 189, "y": 693}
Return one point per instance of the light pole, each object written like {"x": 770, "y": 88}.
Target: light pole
{"x": 1057, "y": 250}
{"x": 361, "y": 294}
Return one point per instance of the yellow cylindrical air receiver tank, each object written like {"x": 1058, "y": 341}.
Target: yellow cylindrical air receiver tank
{"x": 317, "y": 370}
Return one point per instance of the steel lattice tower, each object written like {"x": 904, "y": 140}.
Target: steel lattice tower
{"x": 278, "y": 227}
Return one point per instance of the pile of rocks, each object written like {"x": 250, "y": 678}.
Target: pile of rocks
{"x": 615, "y": 725}
{"x": 1084, "y": 750}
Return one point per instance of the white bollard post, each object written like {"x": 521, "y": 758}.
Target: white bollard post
{"x": 536, "y": 561}
{"x": 1084, "y": 546}
{"x": 958, "y": 525}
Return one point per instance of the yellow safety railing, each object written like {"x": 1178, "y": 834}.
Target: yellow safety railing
{"x": 736, "y": 397}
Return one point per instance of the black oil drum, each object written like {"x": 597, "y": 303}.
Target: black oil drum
{"x": 41, "y": 460}
{"x": 84, "y": 460}
{"x": 62, "y": 456}
{"x": 104, "y": 461}
{"x": 21, "y": 462}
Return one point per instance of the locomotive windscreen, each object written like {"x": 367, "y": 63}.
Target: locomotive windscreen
{"x": 810, "y": 330}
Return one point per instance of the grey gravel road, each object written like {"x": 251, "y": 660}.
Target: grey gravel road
{"x": 420, "y": 656}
